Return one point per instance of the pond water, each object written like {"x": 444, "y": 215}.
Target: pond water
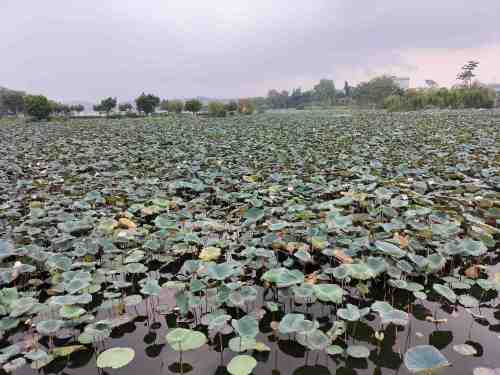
{"x": 312, "y": 242}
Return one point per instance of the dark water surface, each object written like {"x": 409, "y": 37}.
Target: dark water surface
{"x": 154, "y": 356}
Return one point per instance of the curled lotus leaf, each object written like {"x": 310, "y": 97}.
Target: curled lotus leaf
{"x": 329, "y": 293}
{"x": 423, "y": 358}
{"x": 445, "y": 292}
{"x": 465, "y": 349}
{"x": 246, "y": 326}
{"x": 334, "y": 350}
{"x": 240, "y": 344}
{"x": 390, "y": 249}
{"x": 290, "y": 323}
{"x": 315, "y": 340}
{"x": 210, "y": 253}
{"x": 358, "y": 351}
{"x": 49, "y": 327}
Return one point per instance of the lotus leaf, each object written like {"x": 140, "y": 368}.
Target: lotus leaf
{"x": 182, "y": 339}
{"x": 241, "y": 365}
{"x": 424, "y": 358}
{"x": 115, "y": 358}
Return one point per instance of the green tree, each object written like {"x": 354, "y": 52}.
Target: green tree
{"x": 125, "y": 107}
{"x": 37, "y": 106}
{"x": 60, "y": 109}
{"x": 78, "y": 108}
{"x": 467, "y": 73}
{"x": 232, "y": 106}
{"x": 147, "y": 103}
{"x": 375, "y": 91}
{"x": 11, "y": 101}
{"x": 325, "y": 92}
{"x": 246, "y": 106}
{"x": 347, "y": 89}
{"x": 175, "y": 106}
{"x": 106, "y": 105}
{"x": 216, "y": 109}
{"x": 193, "y": 105}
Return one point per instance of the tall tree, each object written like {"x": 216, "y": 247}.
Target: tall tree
{"x": 193, "y": 105}
{"x": 147, "y": 103}
{"x": 106, "y": 105}
{"x": 12, "y": 101}
{"x": 347, "y": 89}
{"x": 467, "y": 73}
{"x": 375, "y": 91}
{"x": 37, "y": 106}
{"x": 325, "y": 92}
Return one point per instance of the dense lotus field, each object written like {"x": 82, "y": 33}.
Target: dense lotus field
{"x": 286, "y": 243}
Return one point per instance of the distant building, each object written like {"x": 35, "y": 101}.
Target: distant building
{"x": 402, "y": 82}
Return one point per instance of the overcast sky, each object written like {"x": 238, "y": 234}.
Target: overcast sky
{"x": 88, "y": 49}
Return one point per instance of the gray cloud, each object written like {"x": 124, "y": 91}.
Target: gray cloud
{"x": 89, "y": 49}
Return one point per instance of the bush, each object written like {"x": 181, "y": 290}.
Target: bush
{"x": 147, "y": 103}
{"x": 216, "y": 109}
{"x": 246, "y": 106}
{"x": 455, "y": 98}
{"x": 37, "y": 106}
{"x": 193, "y": 105}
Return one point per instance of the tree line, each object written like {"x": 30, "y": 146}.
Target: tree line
{"x": 40, "y": 107}
{"x": 379, "y": 92}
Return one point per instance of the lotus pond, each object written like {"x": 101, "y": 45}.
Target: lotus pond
{"x": 290, "y": 243}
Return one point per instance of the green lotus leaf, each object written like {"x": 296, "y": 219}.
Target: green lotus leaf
{"x": 303, "y": 256}
{"x": 182, "y": 339}
{"x": 242, "y": 344}
{"x": 241, "y": 365}
{"x": 283, "y": 277}
{"x": 290, "y": 323}
{"x": 358, "y": 351}
{"x": 8, "y": 323}
{"x": 328, "y": 293}
{"x": 151, "y": 288}
{"x": 423, "y": 358}
{"x": 314, "y": 340}
{"x": 465, "y": 349}
{"x": 71, "y": 312}
{"x": 135, "y": 268}
{"x": 132, "y": 300}
{"x": 468, "y": 301}
{"x": 334, "y": 350}
{"x": 445, "y": 292}
{"x": 246, "y": 326}
{"x": 49, "y": 327}
{"x": 390, "y": 249}
{"x": 254, "y": 214}
{"x": 394, "y": 316}
{"x": 115, "y": 358}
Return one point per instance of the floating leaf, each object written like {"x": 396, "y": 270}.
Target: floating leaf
{"x": 115, "y": 358}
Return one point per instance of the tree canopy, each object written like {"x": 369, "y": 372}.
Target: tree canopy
{"x": 147, "y": 103}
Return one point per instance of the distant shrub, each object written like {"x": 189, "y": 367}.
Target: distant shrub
{"x": 455, "y": 98}
{"x": 147, "y": 103}
{"x": 37, "y": 106}
{"x": 216, "y": 109}
{"x": 193, "y": 105}
{"x": 246, "y": 106}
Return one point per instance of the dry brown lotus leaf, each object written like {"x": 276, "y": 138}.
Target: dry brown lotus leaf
{"x": 342, "y": 257}
{"x": 127, "y": 223}
{"x": 312, "y": 278}
{"x": 403, "y": 241}
{"x": 473, "y": 271}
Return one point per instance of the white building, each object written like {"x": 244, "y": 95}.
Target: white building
{"x": 402, "y": 82}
